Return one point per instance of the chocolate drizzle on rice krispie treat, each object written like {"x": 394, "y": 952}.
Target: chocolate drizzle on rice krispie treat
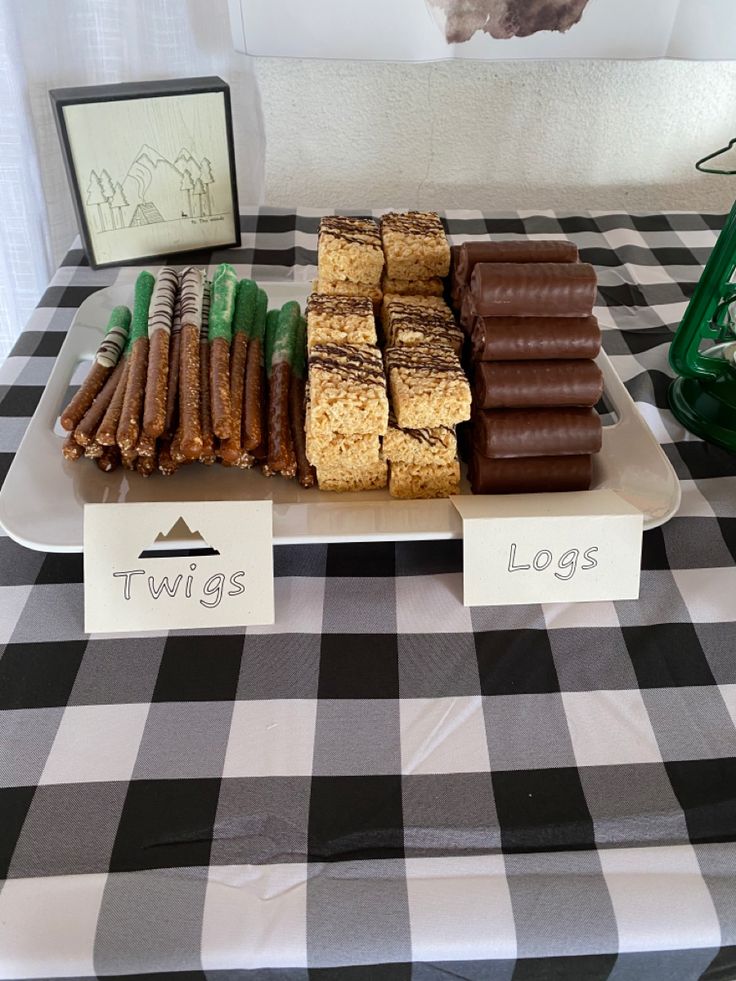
{"x": 415, "y": 245}
{"x": 340, "y": 320}
{"x": 420, "y": 447}
{"x": 349, "y": 249}
{"x": 347, "y": 390}
{"x": 428, "y": 387}
{"x": 428, "y": 302}
{"x": 408, "y": 323}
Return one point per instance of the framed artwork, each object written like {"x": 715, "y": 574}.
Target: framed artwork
{"x": 151, "y": 167}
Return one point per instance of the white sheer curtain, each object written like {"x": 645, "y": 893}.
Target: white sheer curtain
{"x": 52, "y": 43}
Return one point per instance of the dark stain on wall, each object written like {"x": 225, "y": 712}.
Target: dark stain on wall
{"x": 507, "y": 18}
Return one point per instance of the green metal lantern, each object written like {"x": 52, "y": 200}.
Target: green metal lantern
{"x": 703, "y": 352}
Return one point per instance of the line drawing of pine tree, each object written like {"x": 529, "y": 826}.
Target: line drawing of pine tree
{"x": 96, "y": 196}
{"x": 118, "y": 202}
{"x": 187, "y": 185}
{"x": 200, "y": 192}
{"x": 108, "y": 189}
{"x": 207, "y": 179}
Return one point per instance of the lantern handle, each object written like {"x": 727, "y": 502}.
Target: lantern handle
{"x": 716, "y": 153}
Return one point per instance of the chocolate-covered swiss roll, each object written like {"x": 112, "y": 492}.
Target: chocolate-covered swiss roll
{"x": 528, "y": 475}
{"x": 535, "y": 338}
{"x": 468, "y": 312}
{"x": 536, "y": 384}
{"x": 524, "y": 250}
{"x": 509, "y": 433}
{"x": 533, "y": 289}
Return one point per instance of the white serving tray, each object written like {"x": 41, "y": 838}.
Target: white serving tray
{"x": 42, "y": 500}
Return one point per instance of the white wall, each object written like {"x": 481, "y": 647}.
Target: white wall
{"x": 497, "y": 136}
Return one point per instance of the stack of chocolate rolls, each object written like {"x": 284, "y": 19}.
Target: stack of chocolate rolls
{"x": 526, "y": 309}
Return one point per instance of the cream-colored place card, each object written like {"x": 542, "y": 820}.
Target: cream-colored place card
{"x": 549, "y": 548}
{"x": 166, "y": 566}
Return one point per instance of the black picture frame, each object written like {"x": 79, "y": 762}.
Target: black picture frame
{"x": 126, "y": 91}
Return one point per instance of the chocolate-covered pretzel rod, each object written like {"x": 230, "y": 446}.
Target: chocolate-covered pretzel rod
{"x": 146, "y": 445}
{"x": 281, "y": 456}
{"x": 304, "y": 471}
{"x": 188, "y": 439}
{"x": 167, "y": 465}
{"x": 172, "y": 385}
{"x": 108, "y": 428}
{"x": 207, "y": 454}
{"x": 107, "y": 356}
{"x": 93, "y": 450}
{"x": 86, "y": 431}
{"x": 128, "y": 458}
{"x": 525, "y": 250}
{"x": 109, "y": 459}
{"x": 71, "y": 449}
{"x": 536, "y": 384}
{"x": 146, "y": 465}
{"x": 231, "y": 450}
{"x": 160, "y": 321}
{"x": 175, "y": 449}
{"x": 254, "y": 395}
{"x": 130, "y": 417}
{"x": 533, "y": 289}
{"x": 535, "y": 338}
{"x": 529, "y": 474}
{"x": 509, "y": 433}
{"x": 224, "y": 284}
{"x": 272, "y": 321}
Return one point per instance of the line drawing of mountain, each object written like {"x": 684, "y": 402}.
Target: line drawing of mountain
{"x": 154, "y": 189}
{"x": 183, "y": 540}
{"x": 153, "y": 179}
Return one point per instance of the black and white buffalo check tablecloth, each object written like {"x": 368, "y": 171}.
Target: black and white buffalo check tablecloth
{"x": 385, "y": 778}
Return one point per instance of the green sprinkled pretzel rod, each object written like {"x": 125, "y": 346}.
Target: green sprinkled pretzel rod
{"x": 281, "y": 455}
{"x": 222, "y": 307}
{"x": 232, "y": 452}
{"x": 129, "y": 426}
{"x": 254, "y": 395}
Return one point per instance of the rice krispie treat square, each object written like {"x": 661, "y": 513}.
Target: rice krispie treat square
{"x": 336, "y": 450}
{"x": 409, "y": 324}
{"x": 349, "y": 248}
{"x": 415, "y": 245}
{"x": 428, "y": 387}
{"x": 343, "y": 287}
{"x": 347, "y": 390}
{"x": 412, "y": 287}
{"x": 419, "y": 447}
{"x": 428, "y": 302}
{"x": 373, "y": 476}
{"x": 340, "y": 320}
{"x": 411, "y": 482}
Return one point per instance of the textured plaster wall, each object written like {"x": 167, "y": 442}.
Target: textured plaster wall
{"x": 497, "y": 136}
